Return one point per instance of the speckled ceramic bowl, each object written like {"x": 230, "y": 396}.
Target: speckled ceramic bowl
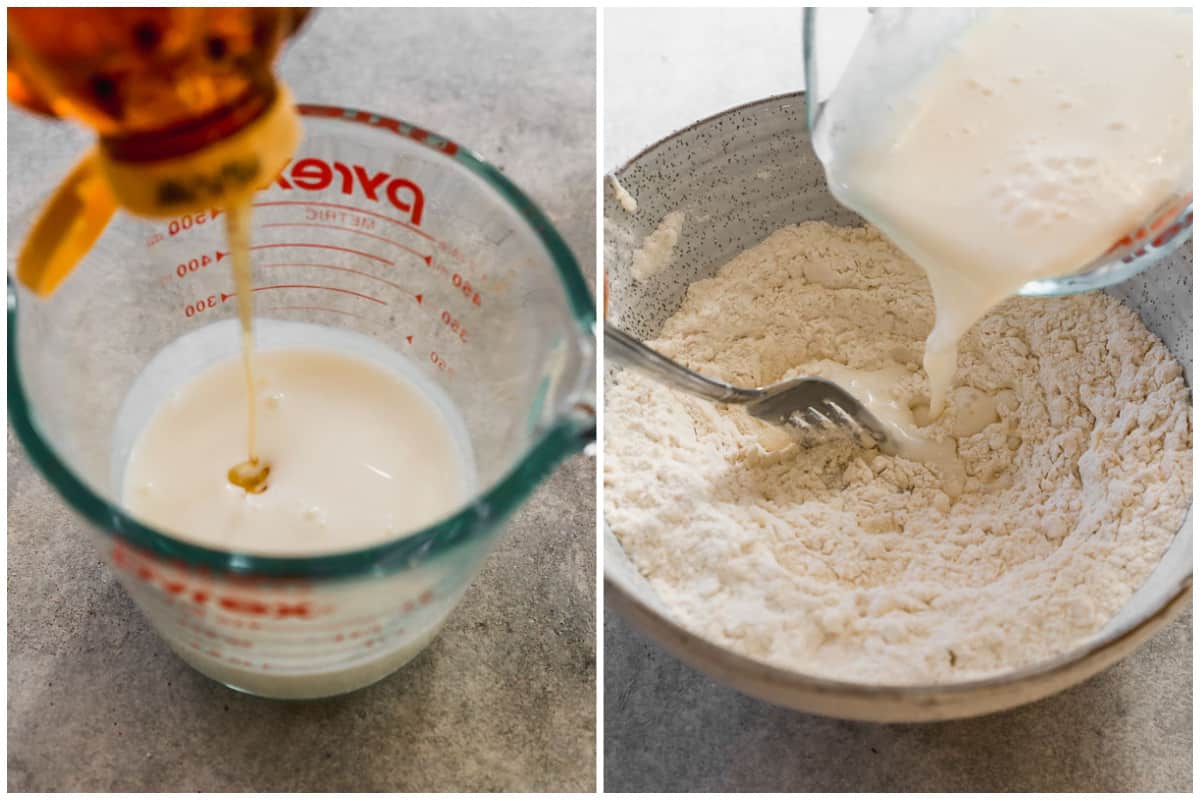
{"x": 739, "y": 176}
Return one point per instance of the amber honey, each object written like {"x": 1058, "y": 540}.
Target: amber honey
{"x": 188, "y": 114}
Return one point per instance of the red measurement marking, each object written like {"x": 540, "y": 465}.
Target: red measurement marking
{"x": 314, "y": 308}
{"x": 420, "y": 301}
{"x": 355, "y": 209}
{"x": 428, "y": 259}
{"x": 373, "y": 299}
{"x": 462, "y": 284}
{"x": 336, "y": 626}
{"x": 153, "y": 574}
{"x": 443, "y": 246}
{"x": 195, "y": 264}
{"x": 468, "y": 291}
{"x": 453, "y": 252}
{"x": 280, "y": 610}
{"x": 232, "y": 641}
{"x": 371, "y": 256}
{"x": 198, "y": 307}
{"x": 342, "y": 269}
{"x": 189, "y": 221}
{"x": 1170, "y": 232}
{"x": 1144, "y": 231}
{"x": 409, "y": 339}
{"x": 376, "y": 121}
{"x": 455, "y": 326}
{"x": 357, "y": 221}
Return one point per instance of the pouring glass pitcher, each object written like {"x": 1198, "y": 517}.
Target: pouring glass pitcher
{"x": 893, "y": 45}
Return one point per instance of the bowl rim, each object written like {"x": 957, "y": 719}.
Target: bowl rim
{"x": 706, "y": 653}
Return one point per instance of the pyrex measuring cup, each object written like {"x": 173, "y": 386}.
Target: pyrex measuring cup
{"x": 380, "y": 238}
{"x": 894, "y": 45}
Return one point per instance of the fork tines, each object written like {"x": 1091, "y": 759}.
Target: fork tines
{"x": 816, "y": 424}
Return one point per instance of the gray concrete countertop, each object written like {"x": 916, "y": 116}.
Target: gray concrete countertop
{"x": 670, "y": 728}
{"x": 504, "y": 698}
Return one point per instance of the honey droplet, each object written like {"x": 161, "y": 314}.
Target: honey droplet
{"x": 250, "y": 475}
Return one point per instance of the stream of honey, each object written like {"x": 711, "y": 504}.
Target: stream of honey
{"x": 252, "y": 473}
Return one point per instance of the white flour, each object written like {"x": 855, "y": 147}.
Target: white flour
{"x": 855, "y": 565}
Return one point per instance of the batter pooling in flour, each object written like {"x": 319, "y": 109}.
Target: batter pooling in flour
{"x": 1022, "y": 148}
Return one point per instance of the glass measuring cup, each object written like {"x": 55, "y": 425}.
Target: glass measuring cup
{"x": 891, "y": 46}
{"x": 378, "y": 238}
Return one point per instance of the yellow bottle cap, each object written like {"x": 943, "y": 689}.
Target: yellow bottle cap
{"x": 223, "y": 173}
{"x": 230, "y": 169}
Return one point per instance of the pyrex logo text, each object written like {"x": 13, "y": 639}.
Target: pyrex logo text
{"x": 314, "y": 174}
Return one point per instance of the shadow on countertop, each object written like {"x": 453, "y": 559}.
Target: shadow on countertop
{"x": 669, "y": 728}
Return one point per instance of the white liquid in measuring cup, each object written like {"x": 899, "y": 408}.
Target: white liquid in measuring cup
{"x": 1022, "y": 149}
{"x": 365, "y": 447}
{"x": 358, "y": 456}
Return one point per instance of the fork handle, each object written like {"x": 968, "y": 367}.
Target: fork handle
{"x": 623, "y": 348}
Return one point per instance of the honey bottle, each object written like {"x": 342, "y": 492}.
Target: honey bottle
{"x": 186, "y": 108}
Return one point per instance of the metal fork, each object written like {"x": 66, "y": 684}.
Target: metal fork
{"x": 813, "y": 406}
